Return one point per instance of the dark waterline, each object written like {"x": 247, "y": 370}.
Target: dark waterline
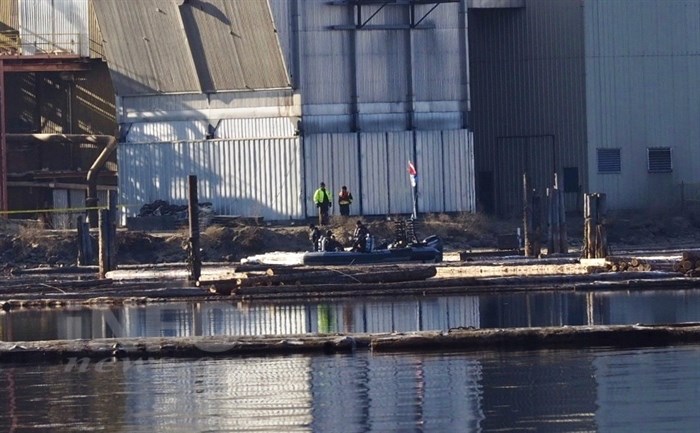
{"x": 355, "y": 316}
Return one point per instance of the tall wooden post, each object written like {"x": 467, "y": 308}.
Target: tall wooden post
{"x": 112, "y": 206}
{"x": 527, "y": 218}
{"x": 563, "y": 246}
{"x": 4, "y": 204}
{"x": 85, "y": 254}
{"x": 595, "y": 236}
{"x": 536, "y": 224}
{"x": 103, "y": 227}
{"x": 194, "y": 259}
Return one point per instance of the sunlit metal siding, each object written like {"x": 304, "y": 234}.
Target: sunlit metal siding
{"x": 256, "y": 128}
{"x": 234, "y": 45}
{"x": 326, "y": 70}
{"x": 384, "y": 75}
{"x": 643, "y": 90}
{"x": 332, "y": 159}
{"x": 527, "y": 79}
{"x": 239, "y": 177}
{"x": 374, "y": 156}
{"x": 53, "y": 26}
{"x": 150, "y": 132}
{"x": 140, "y": 41}
{"x": 9, "y": 15}
{"x": 445, "y": 163}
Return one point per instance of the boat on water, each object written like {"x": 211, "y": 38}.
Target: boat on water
{"x": 427, "y": 251}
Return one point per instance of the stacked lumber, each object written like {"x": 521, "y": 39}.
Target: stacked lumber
{"x": 627, "y": 265}
{"x": 329, "y": 275}
{"x": 689, "y": 264}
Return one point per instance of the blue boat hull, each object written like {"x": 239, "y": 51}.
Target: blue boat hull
{"x": 422, "y": 254}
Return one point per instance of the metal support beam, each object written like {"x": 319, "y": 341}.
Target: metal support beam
{"x": 3, "y": 142}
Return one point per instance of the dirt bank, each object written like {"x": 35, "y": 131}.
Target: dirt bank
{"x": 26, "y": 244}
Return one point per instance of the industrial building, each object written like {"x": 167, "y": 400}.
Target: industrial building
{"x": 264, "y": 99}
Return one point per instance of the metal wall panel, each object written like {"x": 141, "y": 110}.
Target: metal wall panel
{"x": 373, "y": 166}
{"x": 54, "y": 26}
{"x": 239, "y": 177}
{"x": 379, "y": 163}
{"x": 332, "y": 159}
{"x": 256, "y": 128}
{"x": 265, "y": 177}
{"x": 9, "y": 15}
{"x": 642, "y": 91}
{"x": 155, "y": 132}
{"x": 250, "y": 60}
{"x": 379, "y": 79}
{"x": 528, "y": 80}
{"x": 444, "y": 162}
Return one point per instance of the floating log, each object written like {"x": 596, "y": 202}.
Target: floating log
{"x": 335, "y": 277}
{"x": 80, "y": 353}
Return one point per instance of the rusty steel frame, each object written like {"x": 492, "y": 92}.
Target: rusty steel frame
{"x": 27, "y": 64}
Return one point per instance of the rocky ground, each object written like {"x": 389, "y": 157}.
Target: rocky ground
{"x": 26, "y": 244}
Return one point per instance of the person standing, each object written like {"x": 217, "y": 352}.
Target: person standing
{"x": 344, "y": 201}
{"x": 323, "y": 203}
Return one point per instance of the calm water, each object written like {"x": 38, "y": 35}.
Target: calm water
{"x": 652, "y": 390}
{"x": 364, "y": 315}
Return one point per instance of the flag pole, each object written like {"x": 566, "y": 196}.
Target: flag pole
{"x": 413, "y": 174}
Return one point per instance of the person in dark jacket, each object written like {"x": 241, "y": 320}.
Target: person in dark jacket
{"x": 329, "y": 243}
{"x": 360, "y": 237}
{"x": 314, "y": 237}
{"x": 344, "y": 201}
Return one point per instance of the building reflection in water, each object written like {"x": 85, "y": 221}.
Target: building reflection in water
{"x": 351, "y": 316}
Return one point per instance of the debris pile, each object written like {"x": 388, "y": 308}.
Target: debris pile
{"x": 179, "y": 212}
{"x": 689, "y": 264}
{"x": 627, "y": 265}
{"x": 252, "y": 278}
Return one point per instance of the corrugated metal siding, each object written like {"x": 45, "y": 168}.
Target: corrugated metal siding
{"x": 527, "y": 80}
{"x": 379, "y": 163}
{"x": 9, "y": 15}
{"x": 221, "y": 45}
{"x": 256, "y": 128}
{"x": 381, "y": 76}
{"x": 154, "y": 132}
{"x": 96, "y": 47}
{"x": 140, "y": 41}
{"x": 234, "y": 45}
{"x": 332, "y": 159}
{"x": 54, "y": 26}
{"x": 445, "y": 165}
{"x": 643, "y": 90}
{"x": 243, "y": 177}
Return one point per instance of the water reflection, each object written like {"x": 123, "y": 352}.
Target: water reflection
{"x": 349, "y": 316}
{"x": 545, "y": 391}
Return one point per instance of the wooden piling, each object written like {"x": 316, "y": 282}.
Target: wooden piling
{"x": 103, "y": 227}
{"x": 594, "y": 232}
{"x": 194, "y": 256}
{"x": 112, "y": 207}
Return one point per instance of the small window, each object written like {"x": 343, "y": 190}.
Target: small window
{"x": 659, "y": 160}
{"x": 609, "y": 160}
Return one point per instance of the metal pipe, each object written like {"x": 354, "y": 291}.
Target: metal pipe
{"x": 109, "y": 142}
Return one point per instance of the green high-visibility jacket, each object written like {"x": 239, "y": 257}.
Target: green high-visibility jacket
{"x": 321, "y": 197}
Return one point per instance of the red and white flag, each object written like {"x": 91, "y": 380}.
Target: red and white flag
{"x": 412, "y": 173}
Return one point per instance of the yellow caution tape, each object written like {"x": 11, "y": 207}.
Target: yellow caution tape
{"x": 66, "y": 210}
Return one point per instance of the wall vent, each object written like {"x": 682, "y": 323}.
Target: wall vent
{"x": 609, "y": 160}
{"x": 659, "y": 160}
